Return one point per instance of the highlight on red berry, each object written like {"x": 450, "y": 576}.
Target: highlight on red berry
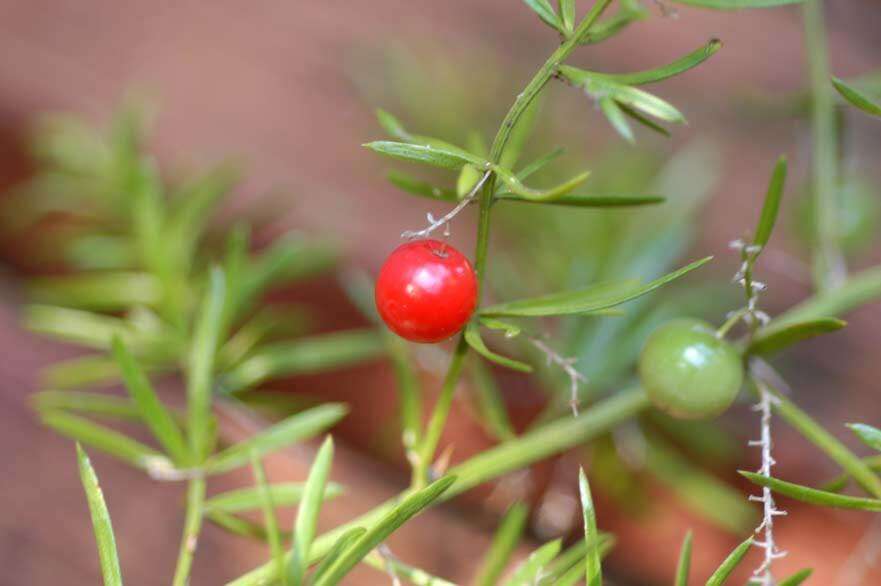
{"x": 426, "y": 291}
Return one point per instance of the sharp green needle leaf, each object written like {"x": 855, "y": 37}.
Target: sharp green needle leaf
{"x": 100, "y": 521}
{"x": 238, "y": 526}
{"x": 539, "y": 164}
{"x": 200, "y": 374}
{"x": 392, "y": 125}
{"x": 591, "y": 299}
{"x": 772, "y": 204}
{"x": 616, "y": 118}
{"x": 307, "y": 514}
{"x": 644, "y": 120}
{"x": 531, "y": 568}
{"x": 503, "y": 544}
{"x": 304, "y": 356}
{"x": 545, "y": 12}
{"x": 797, "y": 578}
{"x": 786, "y": 336}
{"x": 408, "y": 508}
{"x": 871, "y": 436}
{"x": 447, "y": 158}
{"x": 691, "y": 60}
{"x": 283, "y": 494}
{"x": 419, "y": 187}
{"x": 103, "y": 438}
{"x": 153, "y": 411}
{"x": 516, "y": 186}
{"x": 472, "y": 336}
{"x": 95, "y": 404}
{"x": 273, "y": 534}
{"x": 295, "y": 428}
{"x": 856, "y": 97}
{"x": 101, "y": 291}
{"x": 341, "y": 545}
{"x": 737, "y": 4}
{"x": 592, "y": 566}
{"x": 568, "y": 568}
{"x": 590, "y": 201}
{"x": 731, "y": 562}
{"x": 490, "y": 405}
{"x": 683, "y": 568}
{"x": 812, "y": 495}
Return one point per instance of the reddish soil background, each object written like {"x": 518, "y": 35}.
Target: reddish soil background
{"x": 267, "y": 81}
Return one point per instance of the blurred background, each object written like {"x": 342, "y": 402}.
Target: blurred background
{"x": 287, "y": 90}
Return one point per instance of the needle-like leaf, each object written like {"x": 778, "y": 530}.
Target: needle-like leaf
{"x": 681, "y": 65}
{"x": 531, "y": 568}
{"x": 684, "y": 566}
{"x": 768, "y": 217}
{"x": 307, "y": 514}
{"x": 812, "y": 495}
{"x": 100, "y": 521}
{"x": 472, "y": 336}
{"x": 421, "y": 188}
{"x": 490, "y": 405}
{"x": 283, "y": 494}
{"x": 792, "y": 333}
{"x": 856, "y": 97}
{"x": 341, "y": 545}
{"x": 730, "y": 563}
{"x": 273, "y": 535}
{"x": 545, "y": 12}
{"x": 592, "y": 565}
{"x": 517, "y": 187}
{"x": 98, "y": 291}
{"x": 737, "y": 4}
{"x": 446, "y": 157}
{"x": 797, "y": 578}
{"x": 503, "y": 544}
{"x": 871, "y": 436}
{"x": 589, "y": 201}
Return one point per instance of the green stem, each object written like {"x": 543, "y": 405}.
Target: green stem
{"x": 192, "y": 526}
{"x": 524, "y": 99}
{"x": 828, "y": 263}
{"x": 506, "y": 457}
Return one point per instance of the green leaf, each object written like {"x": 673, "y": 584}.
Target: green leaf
{"x": 336, "y": 550}
{"x": 590, "y": 201}
{"x": 616, "y": 117}
{"x": 628, "y": 13}
{"x": 100, "y": 521}
{"x": 304, "y": 356}
{"x": 85, "y": 328}
{"x": 307, "y": 514}
{"x": 737, "y": 4}
{"x": 791, "y": 334}
{"x": 503, "y": 544}
{"x": 293, "y": 429}
{"x": 200, "y": 371}
{"x": 237, "y": 525}
{"x": 154, "y": 413}
{"x": 528, "y": 572}
{"x": 447, "y": 157}
{"x": 730, "y": 563}
{"x": 772, "y": 204}
{"x": 687, "y": 62}
{"x": 600, "y": 86}
{"x": 273, "y": 534}
{"x": 568, "y": 568}
{"x": 518, "y": 188}
{"x": 591, "y": 299}
{"x": 856, "y": 97}
{"x": 812, "y": 495}
{"x": 539, "y": 164}
{"x": 102, "y": 438}
{"x": 392, "y": 125}
{"x": 493, "y": 415}
{"x": 592, "y": 565}
{"x": 408, "y": 389}
{"x": 419, "y": 187}
{"x": 283, "y": 494}
{"x": 797, "y": 578}
{"x": 644, "y": 120}
{"x": 472, "y": 336}
{"x": 871, "y": 436}
{"x": 545, "y": 12}
{"x": 101, "y": 291}
{"x": 684, "y": 566}
{"x": 400, "y": 514}
{"x": 567, "y": 13}
{"x": 95, "y": 404}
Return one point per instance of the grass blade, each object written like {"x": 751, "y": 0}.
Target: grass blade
{"x": 797, "y": 578}
{"x": 681, "y": 65}
{"x": 597, "y": 297}
{"x": 447, "y": 157}
{"x": 154, "y": 413}
{"x": 100, "y": 521}
{"x": 813, "y": 496}
{"x": 399, "y": 515}
{"x": 529, "y": 571}
{"x": 273, "y": 535}
{"x": 545, "y": 12}
{"x": 283, "y": 494}
{"x": 592, "y": 565}
{"x": 472, "y": 336}
{"x": 856, "y": 97}
{"x": 590, "y": 201}
{"x": 780, "y": 338}
{"x": 490, "y": 404}
{"x": 771, "y": 207}
{"x": 730, "y": 563}
{"x": 504, "y": 542}
{"x": 737, "y": 4}
{"x": 421, "y": 188}
{"x": 517, "y": 187}
{"x": 307, "y": 514}
{"x": 684, "y": 566}
{"x": 98, "y": 291}
{"x": 341, "y": 545}
{"x": 293, "y": 429}
{"x": 539, "y": 164}
{"x": 200, "y": 371}
{"x": 95, "y": 404}
{"x": 871, "y": 436}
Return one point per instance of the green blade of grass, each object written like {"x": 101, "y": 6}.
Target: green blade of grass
{"x": 100, "y": 521}
{"x": 771, "y": 207}
{"x": 200, "y": 371}
{"x": 528, "y": 572}
{"x": 400, "y": 514}
{"x": 428, "y": 154}
{"x": 336, "y": 550}
{"x": 99, "y": 291}
{"x": 737, "y": 4}
{"x": 593, "y": 571}
{"x": 154, "y": 413}
{"x": 683, "y": 568}
{"x": 681, "y": 65}
{"x": 472, "y": 337}
{"x": 813, "y": 496}
{"x": 730, "y": 563}
{"x": 490, "y": 404}
{"x": 273, "y": 534}
{"x": 503, "y": 544}
{"x": 94, "y": 404}
{"x": 589, "y": 201}
{"x": 871, "y": 436}
{"x": 293, "y": 429}
{"x": 856, "y": 97}
{"x": 797, "y": 578}
{"x": 790, "y": 334}
{"x": 307, "y": 514}
{"x": 283, "y": 494}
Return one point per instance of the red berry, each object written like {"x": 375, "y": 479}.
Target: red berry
{"x": 426, "y": 291}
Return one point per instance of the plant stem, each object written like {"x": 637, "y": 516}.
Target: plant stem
{"x": 521, "y": 103}
{"x": 828, "y": 264}
{"x": 192, "y": 526}
{"x": 511, "y": 455}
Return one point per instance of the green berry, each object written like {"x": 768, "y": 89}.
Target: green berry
{"x": 688, "y": 372}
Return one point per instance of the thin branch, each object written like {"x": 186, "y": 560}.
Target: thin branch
{"x": 567, "y": 365}
{"x": 444, "y": 221}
